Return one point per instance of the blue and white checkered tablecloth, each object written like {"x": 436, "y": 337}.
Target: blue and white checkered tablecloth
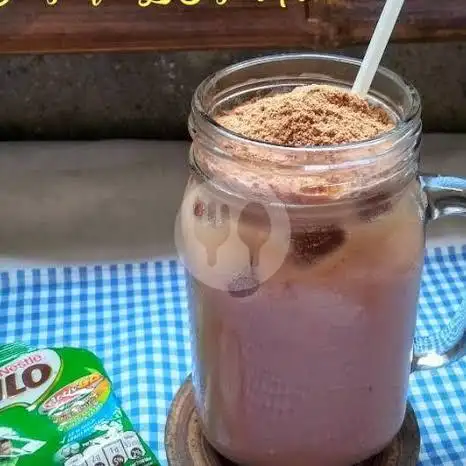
{"x": 134, "y": 316}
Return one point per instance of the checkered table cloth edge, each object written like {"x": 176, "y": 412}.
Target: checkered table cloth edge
{"x": 134, "y": 317}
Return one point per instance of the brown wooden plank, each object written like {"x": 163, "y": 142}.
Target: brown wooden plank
{"x": 344, "y": 22}
{"x": 73, "y": 25}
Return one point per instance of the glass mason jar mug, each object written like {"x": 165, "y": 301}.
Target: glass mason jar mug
{"x": 304, "y": 268}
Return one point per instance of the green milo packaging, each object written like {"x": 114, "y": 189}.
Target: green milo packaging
{"x": 57, "y": 408}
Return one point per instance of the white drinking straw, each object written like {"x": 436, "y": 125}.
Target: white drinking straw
{"x": 377, "y": 46}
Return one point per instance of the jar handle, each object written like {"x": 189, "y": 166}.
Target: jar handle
{"x": 446, "y": 195}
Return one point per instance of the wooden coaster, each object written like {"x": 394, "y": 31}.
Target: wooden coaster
{"x": 186, "y": 445}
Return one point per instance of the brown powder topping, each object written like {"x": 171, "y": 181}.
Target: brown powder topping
{"x": 314, "y": 115}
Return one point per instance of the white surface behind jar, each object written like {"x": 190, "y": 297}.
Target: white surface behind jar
{"x": 117, "y": 200}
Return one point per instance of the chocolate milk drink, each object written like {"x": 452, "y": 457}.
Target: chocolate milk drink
{"x": 308, "y": 365}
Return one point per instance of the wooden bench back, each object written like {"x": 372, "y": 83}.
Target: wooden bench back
{"x": 77, "y": 26}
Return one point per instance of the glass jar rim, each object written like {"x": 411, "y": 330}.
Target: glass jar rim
{"x": 401, "y": 128}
